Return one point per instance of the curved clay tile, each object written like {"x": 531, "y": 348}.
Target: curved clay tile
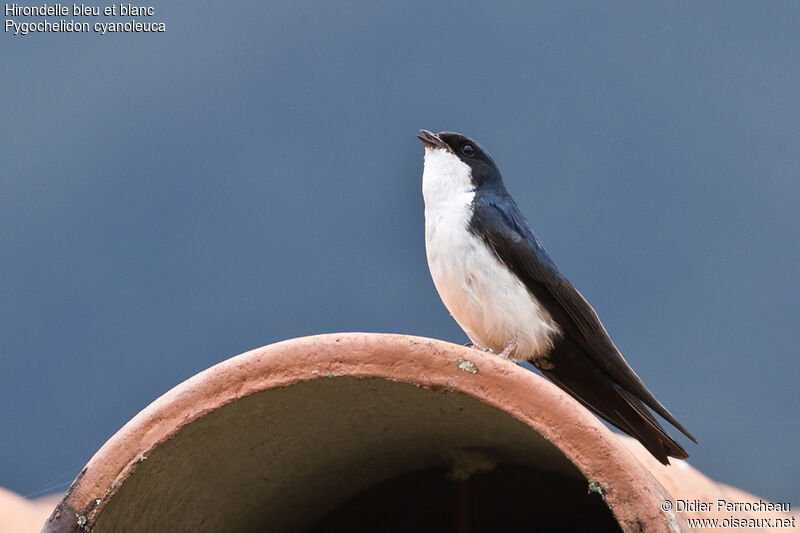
{"x": 372, "y": 432}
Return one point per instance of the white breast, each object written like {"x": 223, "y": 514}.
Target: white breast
{"x": 489, "y": 303}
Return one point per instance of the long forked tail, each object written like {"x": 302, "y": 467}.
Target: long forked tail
{"x": 577, "y": 373}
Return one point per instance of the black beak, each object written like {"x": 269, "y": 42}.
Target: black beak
{"x": 431, "y": 140}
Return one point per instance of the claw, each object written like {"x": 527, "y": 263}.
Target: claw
{"x": 479, "y": 347}
{"x": 512, "y": 344}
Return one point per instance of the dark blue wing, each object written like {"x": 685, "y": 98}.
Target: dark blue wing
{"x": 497, "y": 220}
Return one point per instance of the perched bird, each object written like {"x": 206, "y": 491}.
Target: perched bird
{"x": 502, "y": 288}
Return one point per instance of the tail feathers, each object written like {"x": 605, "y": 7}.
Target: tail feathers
{"x": 670, "y": 447}
{"x": 576, "y": 373}
{"x": 630, "y": 416}
{"x": 649, "y": 399}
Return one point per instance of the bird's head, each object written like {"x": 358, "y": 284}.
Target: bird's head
{"x": 454, "y": 163}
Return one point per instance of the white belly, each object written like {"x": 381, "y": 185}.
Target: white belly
{"x": 489, "y": 303}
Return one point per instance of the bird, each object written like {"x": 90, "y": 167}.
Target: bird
{"x": 506, "y": 293}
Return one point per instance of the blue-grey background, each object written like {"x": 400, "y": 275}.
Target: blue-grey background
{"x": 170, "y": 200}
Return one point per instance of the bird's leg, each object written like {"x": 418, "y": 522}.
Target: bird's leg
{"x": 512, "y": 344}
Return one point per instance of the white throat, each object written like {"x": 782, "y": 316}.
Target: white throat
{"x": 446, "y": 179}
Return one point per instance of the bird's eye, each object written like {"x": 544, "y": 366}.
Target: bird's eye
{"x": 468, "y": 150}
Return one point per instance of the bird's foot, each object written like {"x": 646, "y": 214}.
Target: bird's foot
{"x": 510, "y": 347}
{"x": 479, "y": 347}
